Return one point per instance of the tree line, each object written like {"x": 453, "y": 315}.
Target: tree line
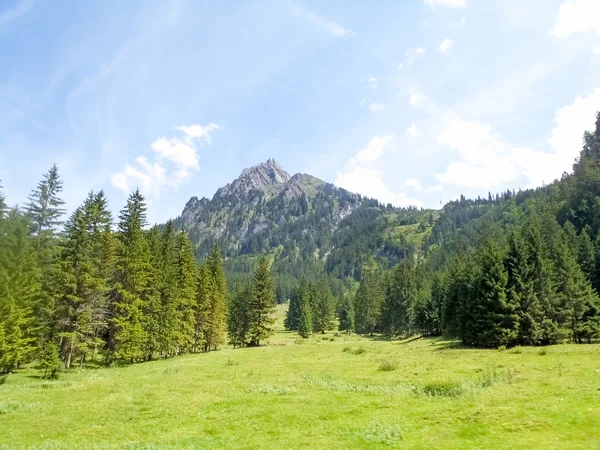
{"x": 79, "y": 290}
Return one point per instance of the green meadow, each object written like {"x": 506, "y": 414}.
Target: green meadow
{"x": 329, "y": 391}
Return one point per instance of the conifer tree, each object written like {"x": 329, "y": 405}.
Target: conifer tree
{"x": 586, "y": 255}
{"x": 217, "y": 307}
{"x": 127, "y": 335}
{"x": 45, "y": 210}
{"x": 204, "y": 291}
{"x": 262, "y": 304}
{"x": 521, "y": 290}
{"x": 368, "y": 301}
{"x": 293, "y": 312}
{"x": 152, "y": 304}
{"x": 20, "y": 292}
{"x": 323, "y": 311}
{"x": 494, "y": 319}
{"x": 400, "y": 295}
{"x": 305, "y": 320}
{"x": 186, "y": 287}
{"x": 575, "y": 295}
{"x": 170, "y": 312}
{"x": 345, "y": 313}
{"x": 238, "y": 325}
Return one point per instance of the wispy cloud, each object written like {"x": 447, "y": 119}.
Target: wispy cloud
{"x": 445, "y": 45}
{"x": 175, "y": 159}
{"x": 334, "y": 29}
{"x": 21, "y": 8}
{"x": 448, "y": 3}
{"x": 375, "y": 107}
{"x": 576, "y": 16}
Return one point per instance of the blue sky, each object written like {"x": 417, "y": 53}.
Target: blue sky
{"x": 412, "y": 102}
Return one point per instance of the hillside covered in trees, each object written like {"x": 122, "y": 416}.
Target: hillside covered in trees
{"x": 518, "y": 268}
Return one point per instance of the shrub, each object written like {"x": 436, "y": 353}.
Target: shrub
{"x": 387, "y": 365}
{"x": 516, "y": 350}
{"x": 502, "y": 348}
{"x": 2, "y": 380}
{"x": 542, "y": 351}
{"x": 443, "y": 388}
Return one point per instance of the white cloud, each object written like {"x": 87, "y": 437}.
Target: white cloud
{"x": 400, "y": 66}
{"x": 372, "y": 151}
{"x": 331, "y": 27}
{"x": 375, "y": 107}
{"x": 417, "y": 186}
{"x": 445, "y": 46}
{"x": 416, "y": 99}
{"x": 412, "y": 130}
{"x": 413, "y": 54}
{"x": 20, "y": 9}
{"x": 576, "y": 16}
{"x": 449, "y": 3}
{"x": 374, "y": 82}
{"x": 175, "y": 161}
{"x": 488, "y": 162}
{"x": 369, "y": 182}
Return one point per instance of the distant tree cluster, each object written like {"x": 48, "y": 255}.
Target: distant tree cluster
{"x": 311, "y": 308}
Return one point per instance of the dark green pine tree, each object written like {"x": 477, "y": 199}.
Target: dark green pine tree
{"x": 576, "y": 296}
{"x": 400, "y": 296}
{"x": 72, "y": 307}
{"x": 216, "y": 315}
{"x": 204, "y": 291}
{"x": 305, "y": 318}
{"x": 543, "y": 283}
{"x": 20, "y": 292}
{"x": 368, "y": 301}
{"x": 127, "y": 335}
{"x": 521, "y": 290}
{"x": 2, "y": 204}
{"x": 170, "y": 313}
{"x": 494, "y": 319}
{"x": 345, "y": 313}
{"x": 152, "y": 305}
{"x": 586, "y": 256}
{"x": 238, "y": 316}
{"x": 45, "y": 209}
{"x": 186, "y": 287}
{"x": 293, "y": 312}
{"x": 262, "y": 304}
{"x": 323, "y": 310}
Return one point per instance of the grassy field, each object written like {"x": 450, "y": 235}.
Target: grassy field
{"x": 331, "y": 391}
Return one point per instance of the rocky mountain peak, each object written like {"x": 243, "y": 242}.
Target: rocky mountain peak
{"x": 262, "y": 177}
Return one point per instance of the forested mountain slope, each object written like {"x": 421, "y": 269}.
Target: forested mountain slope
{"x": 306, "y": 223}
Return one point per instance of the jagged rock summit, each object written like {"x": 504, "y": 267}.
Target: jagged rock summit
{"x": 265, "y": 200}
{"x": 266, "y": 176}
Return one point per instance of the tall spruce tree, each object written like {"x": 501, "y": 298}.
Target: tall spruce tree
{"x": 305, "y": 317}
{"x": 45, "y": 210}
{"x": 127, "y": 334}
{"x": 216, "y": 315}
{"x": 186, "y": 287}
{"x": 170, "y": 312}
{"x": 152, "y": 300}
{"x": 262, "y": 304}
{"x": 20, "y": 292}
{"x": 494, "y": 318}
{"x": 323, "y": 310}
{"x": 400, "y": 296}
{"x": 204, "y": 291}
{"x": 368, "y": 301}
{"x": 238, "y": 320}
{"x": 345, "y": 313}
{"x": 293, "y": 313}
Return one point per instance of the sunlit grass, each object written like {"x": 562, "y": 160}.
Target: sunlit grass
{"x": 351, "y": 392}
